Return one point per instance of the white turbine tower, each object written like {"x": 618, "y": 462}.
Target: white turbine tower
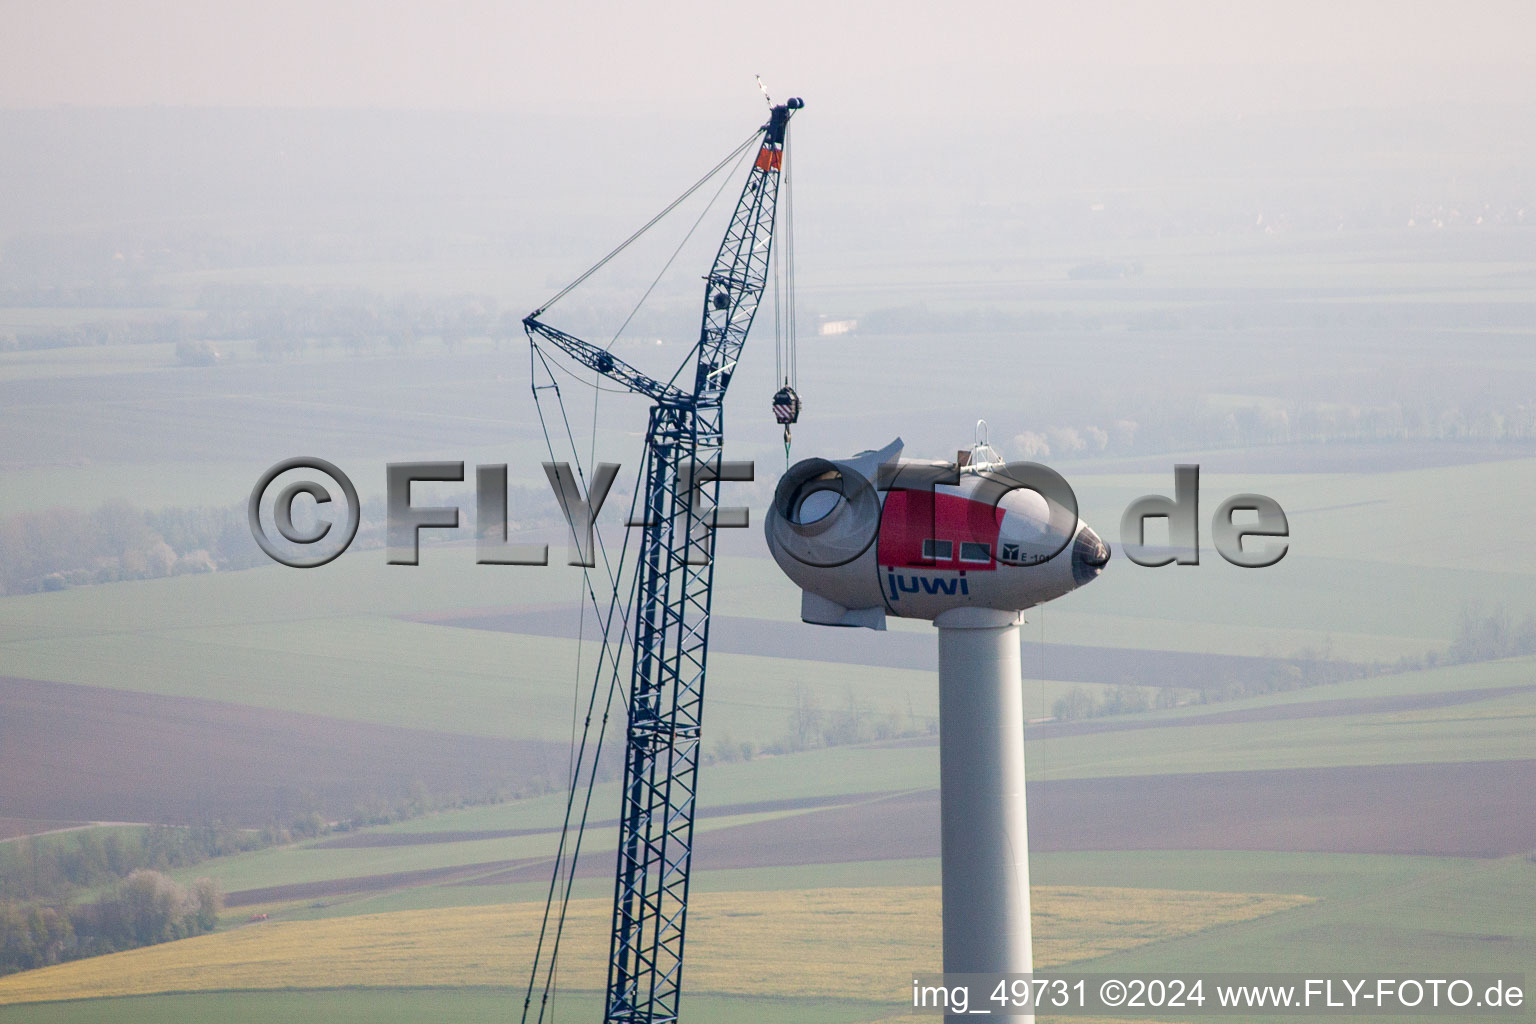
{"x": 968, "y": 545}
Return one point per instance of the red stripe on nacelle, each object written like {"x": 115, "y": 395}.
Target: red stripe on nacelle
{"x": 911, "y": 517}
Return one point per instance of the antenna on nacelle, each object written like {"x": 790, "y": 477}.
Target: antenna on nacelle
{"x": 982, "y": 455}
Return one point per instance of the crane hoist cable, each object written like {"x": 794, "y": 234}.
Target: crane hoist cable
{"x": 786, "y": 401}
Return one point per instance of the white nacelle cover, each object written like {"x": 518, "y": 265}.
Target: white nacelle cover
{"x": 875, "y": 535}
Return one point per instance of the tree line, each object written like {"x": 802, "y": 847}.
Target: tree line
{"x": 58, "y": 548}
{"x": 49, "y": 910}
{"x": 63, "y": 865}
{"x": 1481, "y": 635}
{"x": 146, "y": 908}
{"x": 62, "y": 547}
{"x": 810, "y": 726}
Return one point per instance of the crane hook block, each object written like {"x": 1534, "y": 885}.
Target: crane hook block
{"x": 786, "y": 405}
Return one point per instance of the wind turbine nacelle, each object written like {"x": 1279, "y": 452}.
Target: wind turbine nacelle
{"x": 879, "y": 535}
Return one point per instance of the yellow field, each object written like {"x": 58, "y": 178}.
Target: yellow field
{"x": 843, "y": 943}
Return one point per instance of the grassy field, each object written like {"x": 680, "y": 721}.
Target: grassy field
{"x": 1384, "y": 557}
{"x": 1371, "y": 912}
{"x": 1494, "y": 729}
{"x": 857, "y": 943}
{"x": 328, "y": 642}
{"x": 408, "y": 1006}
{"x": 1365, "y": 912}
{"x": 849, "y": 874}
{"x": 314, "y": 861}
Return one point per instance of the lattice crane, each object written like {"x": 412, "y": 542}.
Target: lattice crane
{"x": 674, "y": 577}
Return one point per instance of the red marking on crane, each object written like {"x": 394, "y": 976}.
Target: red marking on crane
{"x": 911, "y": 517}
{"x": 769, "y": 159}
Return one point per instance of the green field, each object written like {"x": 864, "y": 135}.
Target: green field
{"x": 1393, "y": 369}
{"x": 470, "y": 1006}
{"x": 335, "y": 642}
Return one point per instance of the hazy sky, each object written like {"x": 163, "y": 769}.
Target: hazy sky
{"x": 1023, "y": 57}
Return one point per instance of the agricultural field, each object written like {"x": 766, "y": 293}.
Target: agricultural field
{"x": 1327, "y": 763}
{"x": 800, "y": 943}
{"x": 1213, "y": 797}
{"x": 366, "y": 1006}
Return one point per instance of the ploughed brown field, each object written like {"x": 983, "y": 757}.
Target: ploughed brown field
{"x": 1477, "y": 809}
{"x": 1436, "y": 809}
{"x": 86, "y": 753}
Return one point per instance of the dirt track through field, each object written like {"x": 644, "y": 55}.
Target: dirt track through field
{"x": 387, "y": 839}
{"x": 11, "y": 828}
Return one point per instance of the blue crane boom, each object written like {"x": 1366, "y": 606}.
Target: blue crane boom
{"x": 674, "y": 578}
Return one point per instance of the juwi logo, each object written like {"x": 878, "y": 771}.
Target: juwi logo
{"x": 901, "y": 583}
